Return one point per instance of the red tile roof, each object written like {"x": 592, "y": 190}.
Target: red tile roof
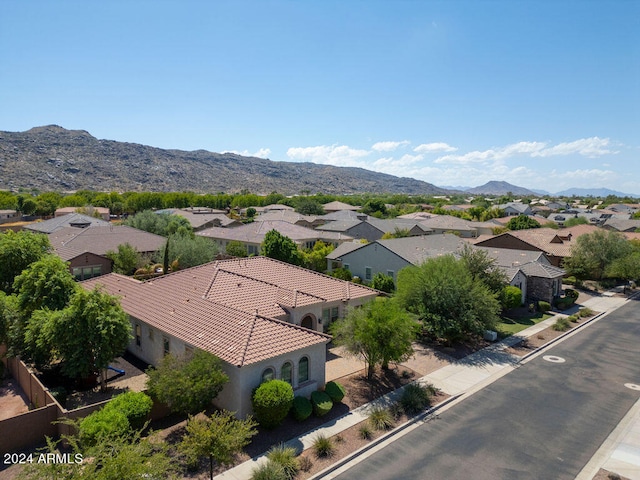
{"x": 177, "y": 305}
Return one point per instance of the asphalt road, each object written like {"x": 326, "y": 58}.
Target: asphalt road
{"x": 542, "y": 421}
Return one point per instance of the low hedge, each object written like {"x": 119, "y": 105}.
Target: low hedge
{"x": 544, "y": 306}
{"x": 321, "y": 402}
{"x": 335, "y": 391}
{"x": 302, "y": 408}
{"x": 136, "y": 406}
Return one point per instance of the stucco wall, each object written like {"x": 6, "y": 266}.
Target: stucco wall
{"x": 375, "y": 256}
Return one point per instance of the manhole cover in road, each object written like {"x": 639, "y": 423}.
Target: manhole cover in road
{"x": 632, "y": 386}
{"x": 553, "y": 359}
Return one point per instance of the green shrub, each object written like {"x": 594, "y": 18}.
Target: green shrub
{"x": 544, "y": 306}
{"x": 321, "y": 403}
{"x": 323, "y": 446}
{"x": 271, "y": 402}
{"x": 302, "y": 408}
{"x": 585, "y": 312}
{"x": 335, "y": 391}
{"x": 564, "y": 303}
{"x": 573, "y": 318}
{"x": 381, "y": 418}
{"x": 569, "y": 280}
{"x": 285, "y": 457}
{"x": 365, "y": 431}
{"x": 415, "y": 398}
{"x": 571, "y": 293}
{"x": 561, "y": 325}
{"x": 269, "y": 471}
{"x": 103, "y": 425}
{"x": 136, "y": 406}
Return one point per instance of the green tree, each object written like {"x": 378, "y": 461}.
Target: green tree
{"x": 342, "y": 273}
{"x": 307, "y": 206}
{"x": 251, "y": 212}
{"x": 29, "y": 206}
{"x": 17, "y": 252}
{"x": 187, "y": 384}
{"x": 278, "y": 246}
{"x": 626, "y": 267}
{"x": 9, "y": 316}
{"x": 572, "y": 222}
{"x": 159, "y": 223}
{"x": 375, "y": 207}
{"x": 126, "y": 260}
{"x": 46, "y": 283}
{"x": 383, "y": 282}
{"x": 89, "y": 333}
{"x": 187, "y": 251}
{"x": 448, "y": 300}
{"x": 219, "y": 437}
{"x": 483, "y": 267}
{"x": 595, "y": 252}
{"x": 315, "y": 259}
{"x": 236, "y": 249}
{"x": 522, "y": 222}
{"x": 379, "y": 332}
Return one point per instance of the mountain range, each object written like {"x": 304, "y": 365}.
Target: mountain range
{"x": 52, "y": 158}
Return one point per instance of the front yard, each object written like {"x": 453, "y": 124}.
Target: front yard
{"x": 519, "y": 319}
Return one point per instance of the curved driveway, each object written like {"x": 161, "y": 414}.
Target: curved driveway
{"x": 542, "y": 421}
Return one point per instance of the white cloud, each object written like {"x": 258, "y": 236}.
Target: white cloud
{"x": 403, "y": 161}
{"x": 337, "y": 155}
{"x": 388, "y": 146}
{"x": 587, "y": 147}
{"x": 261, "y": 153}
{"x": 434, "y": 147}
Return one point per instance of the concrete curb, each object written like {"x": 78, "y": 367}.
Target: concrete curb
{"x": 420, "y": 417}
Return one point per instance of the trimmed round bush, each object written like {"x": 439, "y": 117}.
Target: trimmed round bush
{"x": 321, "y": 402}
{"x": 302, "y": 408}
{"x": 271, "y": 402}
{"x": 135, "y": 405}
{"x": 335, "y": 391}
{"x": 102, "y": 425}
{"x": 544, "y": 306}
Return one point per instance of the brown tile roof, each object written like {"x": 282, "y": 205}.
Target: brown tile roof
{"x": 68, "y": 242}
{"x": 255, "y": 232}
{"x": 175, "y": 304}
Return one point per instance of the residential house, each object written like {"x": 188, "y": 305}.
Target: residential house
{"x": 263, "y": 318}
{"x": 7, "y": 216}
{"x": 251, "y": 235}
{"x": 203, "y": 218}
{"x": 371, "y": 228}
{"x": 77, "y": 220}
{"x": 622, "y": 225}
{"x": 289, "y": 216}
{"x": 337, "y": 206}
{"x": 530, "y": 271}
{"x": 512, "y": 209}
{"x": 98, "y": 212}
{"x": 450, "y": 224}
{"x": 85, "y": 248}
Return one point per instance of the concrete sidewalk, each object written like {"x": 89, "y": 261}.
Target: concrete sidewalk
{"x": 462, "y": 377}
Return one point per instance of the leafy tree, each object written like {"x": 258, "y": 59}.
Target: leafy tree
{"x": 510, "y": 297}
{"x": 522, "y": 222}
{"x": 29, "y": 206}
{"x": 159, "y": 223}
{"x": 342, "y": 273}
{"x": 483, "y": 267}
{"x": 17, "y": 252}
{"x": 383, "y": 283}
{"x": 397, "y": 233}
{"x": 236, "y": 249}
{"x": 375, "y": 206}
{"x": 572, "y": 222}
{"x": 46, "y": 283}
{"x": 627, "y": 267}
{"x": 126, "y": 260}
{"x": 186, "y": 251}
{"x": 9, "y": 316}
{"x": 251, "y": 212}
{"x": 278, "y": 246}
{"x": 89, "y": 333}
{"x": 595, "y": 252}
{"x": 187, "y": 384}
{"x": 448, "y": 300}
{"x": 306, "y": 206}
{"x": 219, "y": 437}
{"x": 379, "y": 332}
{"x": 315, "y": 259}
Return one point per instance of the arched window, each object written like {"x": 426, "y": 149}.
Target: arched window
{"x": 268, "y": 374}
{"x": 303, "y": 370}
{"x": 286, "y": 373}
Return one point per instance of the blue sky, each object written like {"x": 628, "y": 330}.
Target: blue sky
{"x": 542, "y": 94}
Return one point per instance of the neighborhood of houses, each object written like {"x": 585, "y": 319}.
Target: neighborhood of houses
{"x": 267, "y": 319}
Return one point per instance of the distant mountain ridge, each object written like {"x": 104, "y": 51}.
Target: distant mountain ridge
{"x": 500, "y": 188}
{"x": 54, "y": 158}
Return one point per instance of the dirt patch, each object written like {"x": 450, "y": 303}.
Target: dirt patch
{"x": 13, "y": 401}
